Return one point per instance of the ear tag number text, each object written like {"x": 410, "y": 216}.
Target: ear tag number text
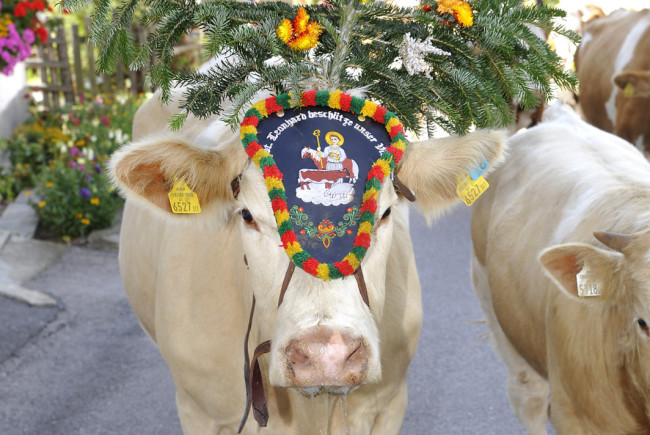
{"x": 182, "y": 199}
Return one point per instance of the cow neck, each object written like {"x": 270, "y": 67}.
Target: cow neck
{"x": 255, "y": 396}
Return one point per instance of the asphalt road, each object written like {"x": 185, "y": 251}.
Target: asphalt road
{"x": 87, "y": 368}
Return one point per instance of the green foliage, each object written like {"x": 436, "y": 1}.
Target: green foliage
{"x": 480, "y": 69}
{"x": 61, "y": 156}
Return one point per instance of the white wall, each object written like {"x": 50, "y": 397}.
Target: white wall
{"x": 13, "y": 105}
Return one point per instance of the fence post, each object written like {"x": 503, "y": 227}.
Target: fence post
{"x": 91, "y": 59}
{"x": 65, "y": 70}
{"x": 78, "y": 68}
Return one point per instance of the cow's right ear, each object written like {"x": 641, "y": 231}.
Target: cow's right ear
{"x": 600, "y": 270}
{"x": 146, "y": 171}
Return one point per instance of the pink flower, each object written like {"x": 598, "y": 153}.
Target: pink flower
{"x": 74, "y": 151}
{"x": 72, "y": 164}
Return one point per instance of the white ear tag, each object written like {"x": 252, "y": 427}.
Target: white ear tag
{"x": 586, "y": 285}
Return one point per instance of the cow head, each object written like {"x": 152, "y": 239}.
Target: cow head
{"x": 324, "y": 337}
{"x": 617, "y": 284}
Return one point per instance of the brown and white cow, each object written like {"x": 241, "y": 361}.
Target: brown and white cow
{"x": 577, "y": 199}
{"x": 613, "y": 65}
{"x": 188, "y": 284}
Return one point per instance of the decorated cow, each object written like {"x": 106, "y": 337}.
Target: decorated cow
{"x": 573, "y": 330}
{"x": 329, "y": 290}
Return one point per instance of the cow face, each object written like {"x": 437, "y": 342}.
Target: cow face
{"x": 324, "y": 337}
{"x": 323, "y": 334}
{"x": 617, "y": 286}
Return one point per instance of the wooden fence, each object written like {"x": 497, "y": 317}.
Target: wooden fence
{"x": 64, "y": 77}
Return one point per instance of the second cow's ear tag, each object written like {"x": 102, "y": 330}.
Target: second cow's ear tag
{"x": 586, "y": 284}
{"x": 182, "y": 199}
{"x": 323, "y": 164}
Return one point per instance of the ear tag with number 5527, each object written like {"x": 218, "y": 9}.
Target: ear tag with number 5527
{"x": 468, "y": 189}
{"x": 182, "y": 199}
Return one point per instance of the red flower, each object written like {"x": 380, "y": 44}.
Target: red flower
{"x": 42, "y": 34}
{"x": 426, "y": 8}
{"x": 20, "y": 10}
{"x": 37, "y": 5}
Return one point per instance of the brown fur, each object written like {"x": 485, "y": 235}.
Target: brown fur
{"x": 595, "y": 63}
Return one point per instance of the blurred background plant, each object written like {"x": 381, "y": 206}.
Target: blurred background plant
{"x": 61, "y": 155}
{"x": 22, "y": 24}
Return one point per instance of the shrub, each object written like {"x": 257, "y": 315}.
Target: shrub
{"x": 62, "y": 155}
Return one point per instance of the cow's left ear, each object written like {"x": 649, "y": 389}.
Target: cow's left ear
{"x": 583, "y": 271}
{"x": 633, "y": 83}
{"x": 430, "y": 168}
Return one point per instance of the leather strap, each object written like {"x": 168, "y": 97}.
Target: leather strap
{"x": 285, "y": 283}
{"x": 258, "y": 398}
{"x": 247, "y": 378}
{"x": 361, "y": 282}
{"x": 402, "y": 189}
{"x": 255, "y": 396}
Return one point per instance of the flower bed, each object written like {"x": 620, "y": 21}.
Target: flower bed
{"x": 60, "y": 156}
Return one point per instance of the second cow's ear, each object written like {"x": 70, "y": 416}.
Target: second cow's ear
{"x": 633, "y": 83}
{"x": 147, "y": 170}
{"x": 599, "y": 270}
{"x": 429, "y": 168}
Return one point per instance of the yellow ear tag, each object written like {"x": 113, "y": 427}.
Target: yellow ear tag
{"x": 629, "y": 90}
{"x": 469, "y": 190}
{"x": 182, "y": 199}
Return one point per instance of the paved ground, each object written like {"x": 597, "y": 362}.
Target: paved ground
{"x": 84, "y": 366}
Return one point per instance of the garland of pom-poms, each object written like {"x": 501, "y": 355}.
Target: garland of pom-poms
{"x": 380, "y": 169}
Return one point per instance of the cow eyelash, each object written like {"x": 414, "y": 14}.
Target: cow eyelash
{"x": 644, "y": 326}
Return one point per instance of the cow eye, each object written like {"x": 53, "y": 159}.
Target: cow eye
{"x": 386, "y": 214}
{"x": 642, "y": 324}
{"x": 247, "y": 216}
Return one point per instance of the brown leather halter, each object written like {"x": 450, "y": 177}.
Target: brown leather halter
{"x": 255, "y": 396}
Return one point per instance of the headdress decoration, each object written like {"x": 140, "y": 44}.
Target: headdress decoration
{"x": 450, "y": 64}
{"x": 364, "y": 216}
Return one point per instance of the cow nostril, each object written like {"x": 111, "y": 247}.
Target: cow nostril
{"x": 298, "y": 357}
{"x": 358, "y": 357}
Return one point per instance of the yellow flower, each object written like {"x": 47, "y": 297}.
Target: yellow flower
{"x": 300, "y": 22}
{"x": 49, "y": 184}
{"x": 284, "y": 31}
{"x": 308, "y": 39}
{"x": 80, "y": 143}
{"x": 28, "y": 192}
{"x": 66, "y": 239}
{"x": 301, "y": 34}
{"x": 78, "y": 216}
{"x": 94, "y": 201}
{"x": 463, "y": 13}
{"x": 42, "y": 204}
{"x": 461, "y": 10}
{"x": 85, "y": 221}
{"x": 447, "y": 6}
